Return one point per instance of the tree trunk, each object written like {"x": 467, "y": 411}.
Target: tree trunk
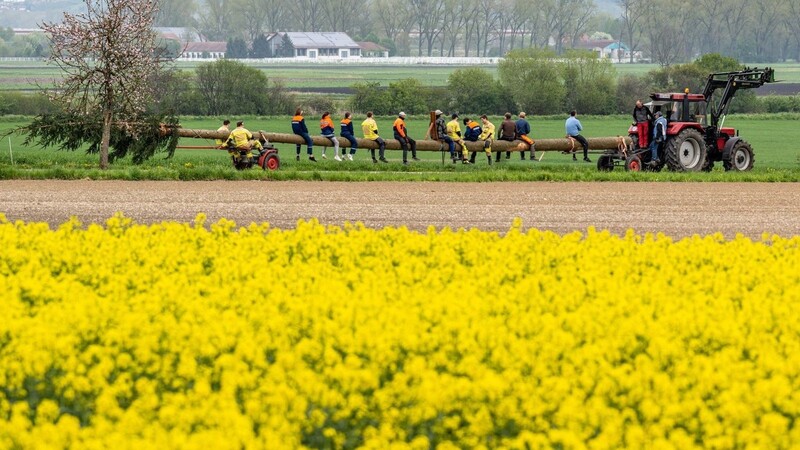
{"x": 106, "y": 138}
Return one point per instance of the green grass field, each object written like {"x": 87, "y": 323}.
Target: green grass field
{"x": 15, "y": 75}
{"x": 772, "y": 137}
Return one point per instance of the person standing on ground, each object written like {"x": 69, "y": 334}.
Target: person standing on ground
{"x": 299, "y": 128}
{"x": 641, "y": 118}
{"x": 346, "y": 127}
{"x": 454, "y": 132}
{"x": 659, "y": 137}
{"x": 223, "y": 129}
{"x": 507, "y": 132}
{"x": 441, "y": 133}
{"x": 370, "y": 129}
{"x": 401, "y": 134}
{"x": 329, "y": 131}
{"x": 573, "y": 127}
{"x": 523, "y": 130}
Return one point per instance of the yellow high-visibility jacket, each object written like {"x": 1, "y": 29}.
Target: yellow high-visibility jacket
{"x": 454, "y": 129}
{"x": 370, "y": 129}
{"x": 241, "y": 136}
{"x": 488, "y": 131}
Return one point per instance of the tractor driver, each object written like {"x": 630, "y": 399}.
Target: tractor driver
{"x": 241, "y": 139}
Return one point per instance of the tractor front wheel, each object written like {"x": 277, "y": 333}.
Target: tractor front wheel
{"x": 686, "y": 152}
{"x": 633, "y": 164}
{"x": 740, "y": 158}
{"x": 272, "y": 162}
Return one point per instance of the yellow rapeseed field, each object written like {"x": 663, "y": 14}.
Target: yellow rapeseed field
{"x": 210, "y": 336}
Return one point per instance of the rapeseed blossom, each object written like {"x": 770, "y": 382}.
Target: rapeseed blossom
{"x": 203, "y": 336}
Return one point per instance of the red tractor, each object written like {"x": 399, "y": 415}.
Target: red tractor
{"x": 696, "y": 137}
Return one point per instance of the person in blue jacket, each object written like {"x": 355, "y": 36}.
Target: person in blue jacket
{"x": 299, "y": 128}
{"x": 347, "y": 133}
{"x": 472, "y": 130}
{"x": 573, "y": 127}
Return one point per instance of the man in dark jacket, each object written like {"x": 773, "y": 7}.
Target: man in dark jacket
{"x": 507, "y": 132}
{"x": 641, "y": 118}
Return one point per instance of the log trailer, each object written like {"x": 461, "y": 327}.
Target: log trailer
{"x": 696, "y": 137}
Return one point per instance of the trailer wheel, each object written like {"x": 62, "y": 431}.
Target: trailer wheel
{"x": 686, "y": 152}
{"x": 272, "y": 162}
{"x": 605, "y": 163}
{"x": 633, "y": 164}
{"x": 740, "y": 158}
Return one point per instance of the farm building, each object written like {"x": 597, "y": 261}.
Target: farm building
{"x": 373, "y": 50}
{"x": 204, "y": 50}
{"x": 334, "y": 45}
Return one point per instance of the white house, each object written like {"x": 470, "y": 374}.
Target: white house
{"x": 334, "y": 45}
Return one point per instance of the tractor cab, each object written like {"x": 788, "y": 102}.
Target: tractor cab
{"x": 680, "y": 107}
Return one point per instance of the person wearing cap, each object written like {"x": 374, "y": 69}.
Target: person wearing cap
{"x": 401, "y": 134}
{"x": 241, "y": 139}
{"x": 370, "y": 129}
{"x": 441, "y": 133}
{"x": 346, "y": 127}
{"x": 659, "y": 137}
{"x": 506, "y": 132}
{"x": 523, "y": 130}
{"x": 329, "y": 131}
{"x": 299, "y": 128}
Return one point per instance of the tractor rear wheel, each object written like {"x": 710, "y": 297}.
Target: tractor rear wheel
{"x": 686, "y": 152}
{"x": 741, "y": 157}
{"x": 633, "y": 164}
{"x": 605, "y": 163}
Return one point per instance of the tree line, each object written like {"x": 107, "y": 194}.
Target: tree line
{"x": 667, "y": 32}
{"x": 530, "y": 80}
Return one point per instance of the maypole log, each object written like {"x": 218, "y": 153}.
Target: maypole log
{"x": 562, "y": 144}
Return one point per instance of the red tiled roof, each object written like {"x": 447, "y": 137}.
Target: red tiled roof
{"x": 210, "y": 47}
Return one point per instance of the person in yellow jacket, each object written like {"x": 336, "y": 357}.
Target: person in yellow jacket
{"x": 241, "y": 139}
{"x": 224, "y": 128}
{"x": 487, "y": 136}
{"x": 370, "y": 129}
{"x": 454, "y": 132}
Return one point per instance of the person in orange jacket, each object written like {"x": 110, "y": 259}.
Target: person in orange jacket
{"x": 401, "y": 134}
{"x": 299, "y": 128}
{"x": 329, "y": 131}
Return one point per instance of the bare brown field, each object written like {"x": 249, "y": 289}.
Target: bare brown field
{"x": 676, "y": 209}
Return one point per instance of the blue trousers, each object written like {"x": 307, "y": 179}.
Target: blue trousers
{"x": 309, "y": 143}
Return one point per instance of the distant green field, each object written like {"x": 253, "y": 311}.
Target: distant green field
{"x": 777, "y": 158}
{"x": 17, "y": 75}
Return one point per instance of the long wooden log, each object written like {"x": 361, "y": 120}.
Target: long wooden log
{"x": 562, "y": 144}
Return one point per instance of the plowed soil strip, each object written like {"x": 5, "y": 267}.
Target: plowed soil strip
{"x": 676, "y": 209}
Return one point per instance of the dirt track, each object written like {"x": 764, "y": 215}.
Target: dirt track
{"x": 677, "y": 209}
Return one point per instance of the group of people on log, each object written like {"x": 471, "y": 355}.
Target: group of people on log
{"x": 448, "y": 133}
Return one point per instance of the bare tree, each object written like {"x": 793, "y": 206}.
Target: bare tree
{"x": 216, "y": 19}
{"x": 108, "y": 55}
{"x": 632, "y": 12}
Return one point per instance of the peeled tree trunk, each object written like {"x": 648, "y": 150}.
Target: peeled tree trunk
{"x": 560, "y": 144}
